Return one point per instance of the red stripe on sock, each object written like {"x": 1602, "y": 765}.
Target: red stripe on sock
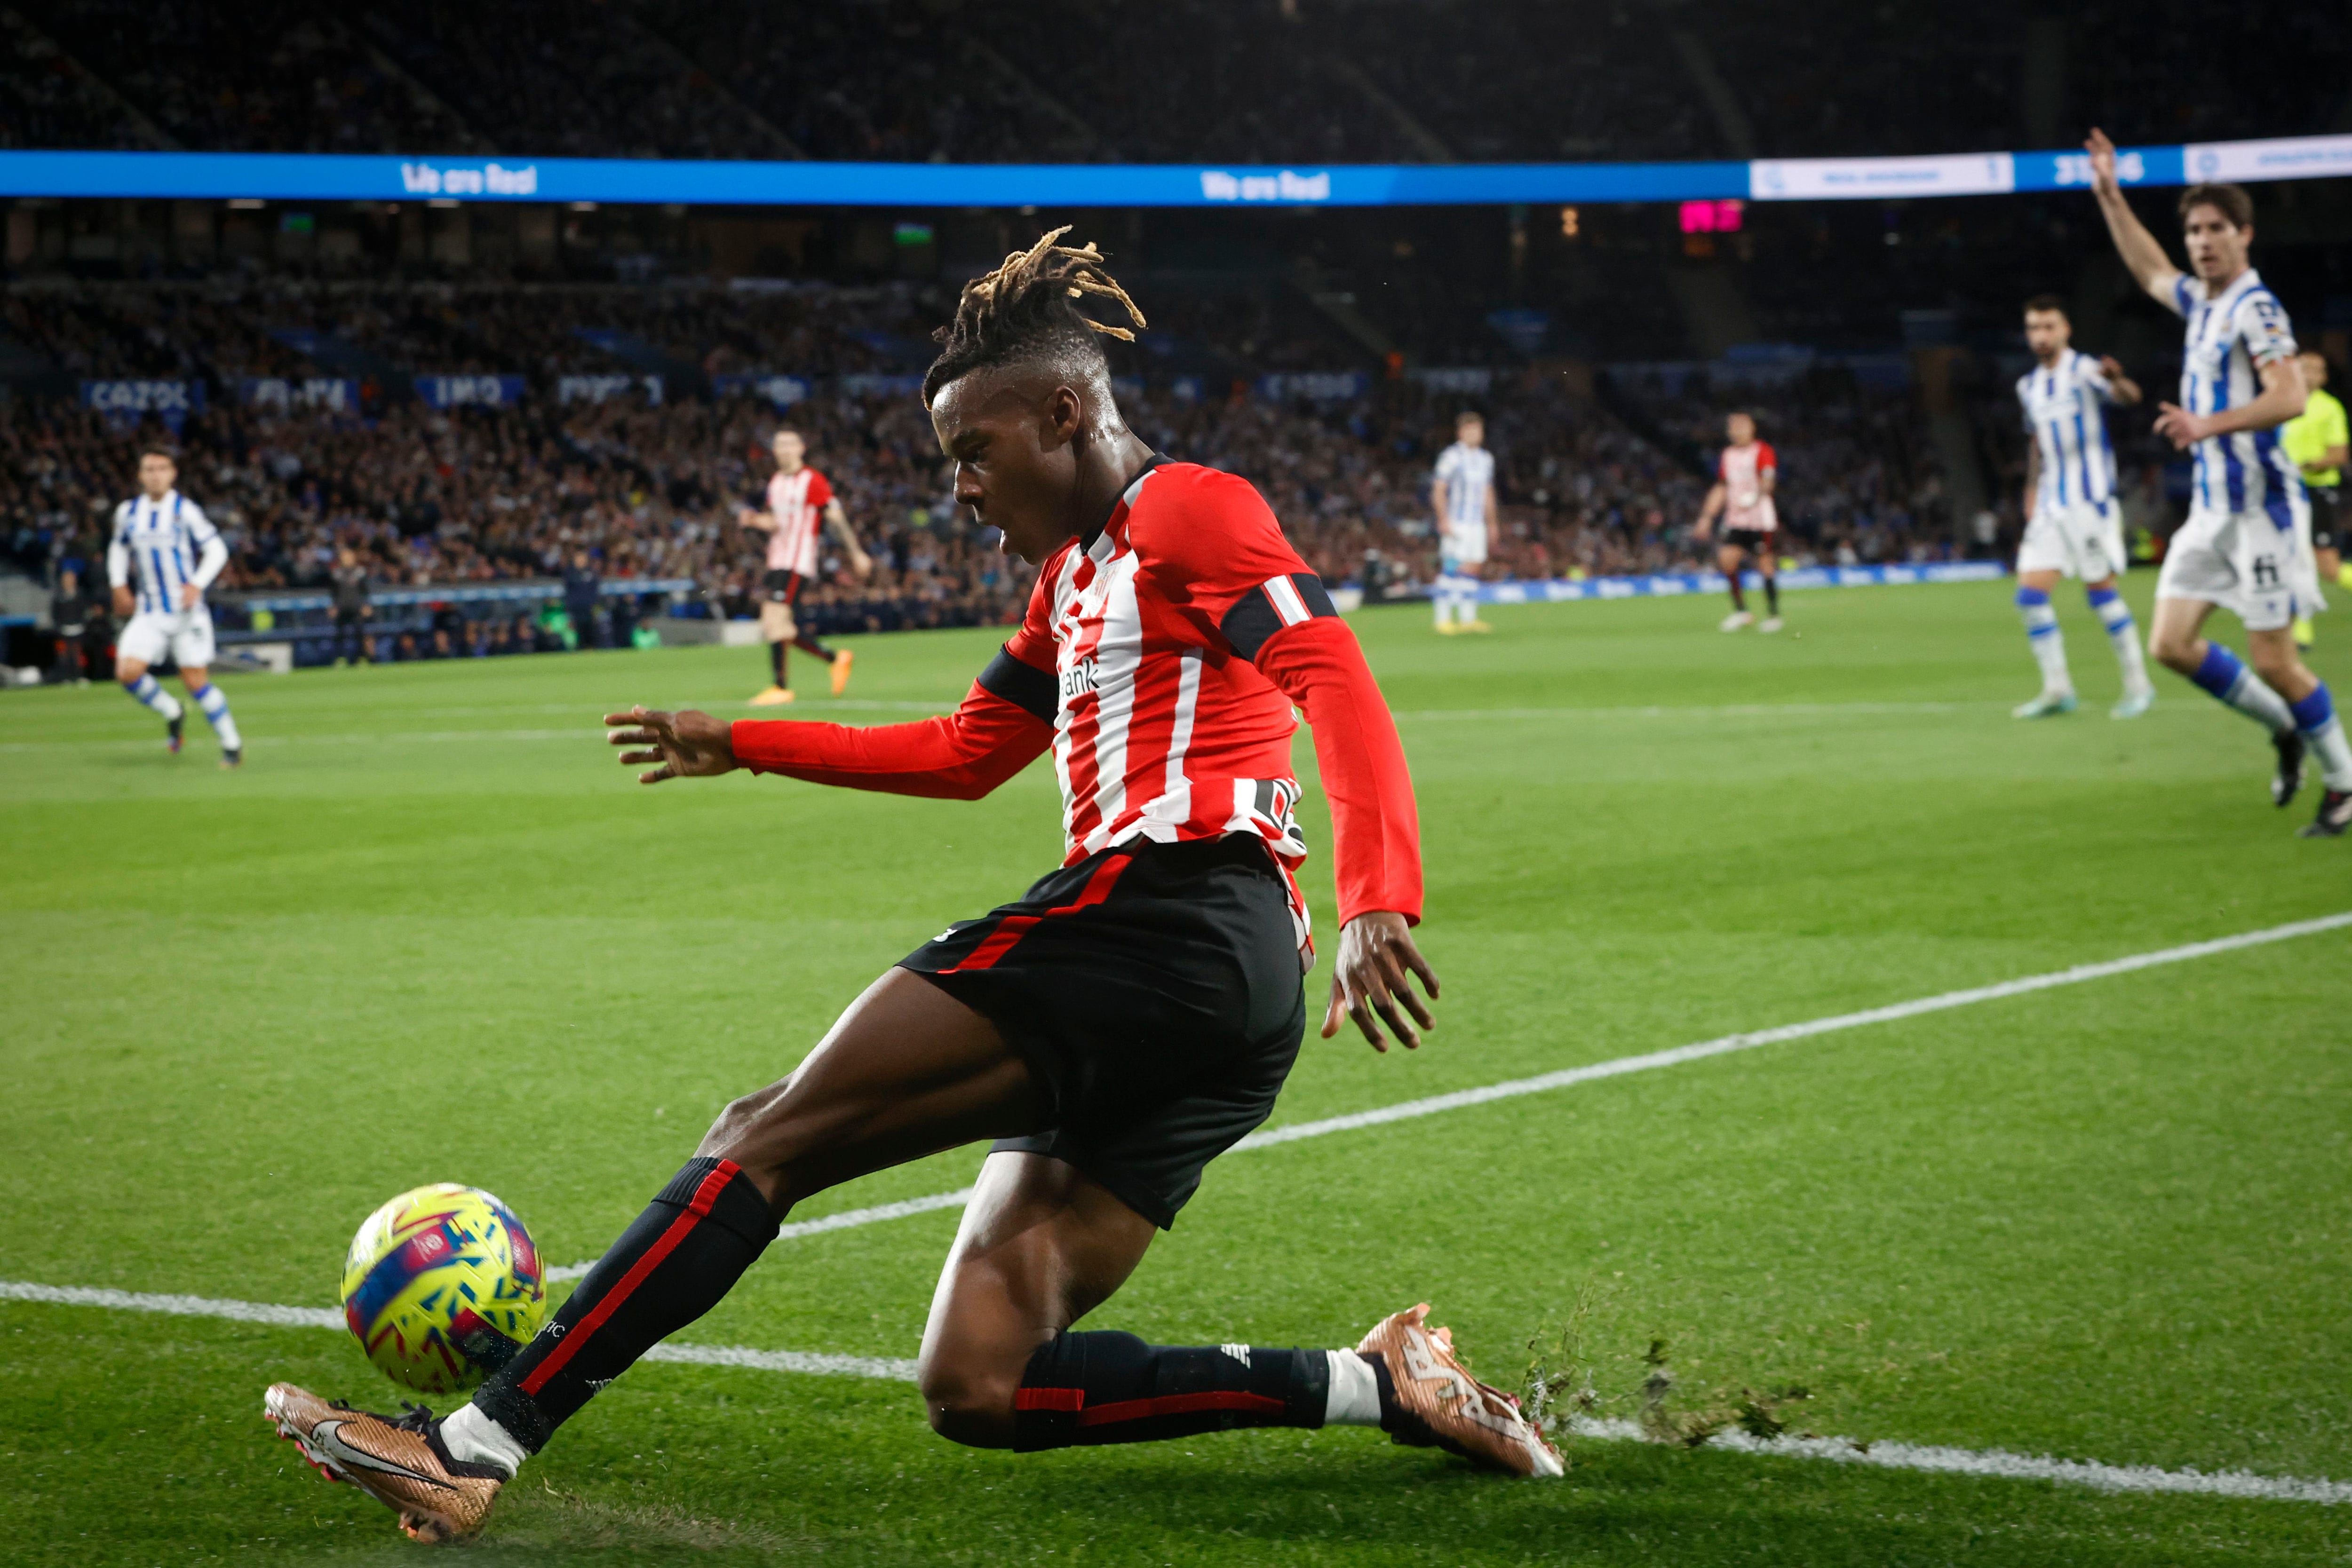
{"x": 704, "y": 1197}
{"x": 1179, "y": 1405}
{"x": 1013, "y": 928}
{"x": 1048, "y": 1398}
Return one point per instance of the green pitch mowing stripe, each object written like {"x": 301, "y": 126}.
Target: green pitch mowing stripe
{"x": 1993, "y": 1464}
{"x": 1462, "y": 1098}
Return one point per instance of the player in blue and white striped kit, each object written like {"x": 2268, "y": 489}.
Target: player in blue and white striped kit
{"x": 2072, "y": 527}
{"x": 170, "y": 545}
{"x": 2246, "y": 547}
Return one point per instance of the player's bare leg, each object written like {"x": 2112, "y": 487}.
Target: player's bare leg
{"x": 776, "y": 629}
{"x": 1041, "y": 1245}
{"x": 1731, "y": 560}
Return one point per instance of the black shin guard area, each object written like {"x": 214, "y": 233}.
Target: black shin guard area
{"x": 671, "y": 1266}
{"x": 1086, "y": 1388}
{"x": 1772, "y": 596}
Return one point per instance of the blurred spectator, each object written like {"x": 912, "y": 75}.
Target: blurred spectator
{"x": 73, "y": 614}
{"x": 581, "y": 582}
{"x": 353, "y": 610}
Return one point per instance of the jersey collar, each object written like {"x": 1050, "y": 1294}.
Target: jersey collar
{"x": 1125, "y": 498}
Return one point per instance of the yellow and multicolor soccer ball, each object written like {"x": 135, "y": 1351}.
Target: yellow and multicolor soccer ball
{"x": 442, "y": 1287}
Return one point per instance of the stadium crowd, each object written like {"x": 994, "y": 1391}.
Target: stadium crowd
{"x": 1297, "y": 80}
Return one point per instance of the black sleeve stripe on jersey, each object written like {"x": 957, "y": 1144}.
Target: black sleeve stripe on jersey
{"x": 1024, "y": 685}
{"x": 1276, "y": 602}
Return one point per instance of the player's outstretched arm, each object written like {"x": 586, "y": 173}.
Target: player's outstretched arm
{"x": 2142, "y": 255}
{"x": 1711, "y": 509}
{"x": 687, "y": 744}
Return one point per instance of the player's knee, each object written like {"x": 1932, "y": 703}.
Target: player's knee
{"x": 2173, "y": 651}
{"x": 967, "y": 1403}
{"x": 738, "y": 1131}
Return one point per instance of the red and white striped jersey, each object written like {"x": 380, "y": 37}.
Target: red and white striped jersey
{"x": 1159, "y": 732}
{"x": 1745, "y": 503}
{"x": 797, "y": 503}
{"x": 1159, "y": 659}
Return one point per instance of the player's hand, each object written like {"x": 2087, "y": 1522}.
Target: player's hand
{"x": 2103, "y": 162}
{"x": 2112, "y": 368}
{"x": 190, "y": 596}
{"x": 2180, "y": 426}
{"x": 1368, "y": 982}
{"x": 745, "y": 518}
{"x": 688, "y": 744}
{"x": 862, "y": 564}
{"x": 122, "y": 604}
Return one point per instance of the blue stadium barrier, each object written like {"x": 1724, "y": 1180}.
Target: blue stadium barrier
{"x": 331, "y": 176}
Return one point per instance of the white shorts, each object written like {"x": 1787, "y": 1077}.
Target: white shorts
{"x": 1463, "y": 545}
{"x": 187, "y": 636}
{"x": 2247, "y": 564}
{"x": 2085, "y": 541}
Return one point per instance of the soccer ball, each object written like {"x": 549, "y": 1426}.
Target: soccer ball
{"x": 442, "y": 1287}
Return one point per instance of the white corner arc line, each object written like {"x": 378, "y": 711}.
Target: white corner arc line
{"x": 1618, "y": 1067}
{"x": 1996, "y": 1463}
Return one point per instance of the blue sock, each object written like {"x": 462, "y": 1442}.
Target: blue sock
{"x": 2116, "y": 617}
{"x": 2231, "y": 683}
{"x": 215, "y": 710}
{"x": 147, "y": 690}
{"x": 2316, "y": 717}
{"x": 2049, "y": 645}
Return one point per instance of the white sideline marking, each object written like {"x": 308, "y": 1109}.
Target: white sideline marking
{"x": 888, "y": 1367}
{"x": 177, "y": 1306}
{"x": 1989, "y": 1462}
{"x": 1619, "y": 1066}
{"x": 2001, "y": 1464}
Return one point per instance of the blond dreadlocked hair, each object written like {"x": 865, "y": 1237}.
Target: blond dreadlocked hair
{"x": 1028, "y": 309}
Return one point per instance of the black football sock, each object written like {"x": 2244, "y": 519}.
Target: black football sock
{"x": 1086, "y": 1388}
{"x": 812, "y": 648}
{"x": 1772, "y": 595}
{"x": 776, "y": 662}
{"x": 1739, "y": 598}
{"x": 670, "y": 1267}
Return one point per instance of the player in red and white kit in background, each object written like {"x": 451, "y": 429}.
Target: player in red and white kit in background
{"x": 801, "y": 505}
{"x": 1113, "y": 1030}
{"x": 1745, "y": 472}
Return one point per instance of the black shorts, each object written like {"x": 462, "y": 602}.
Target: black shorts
{"x": 1154, "y": 991}
{"x": 2326, "y": 522}
{"x": 782, "y": 587}
{"x": 1755, "y": 541}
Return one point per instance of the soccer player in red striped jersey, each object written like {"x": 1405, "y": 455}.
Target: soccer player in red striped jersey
{"x": 1111, "y": 1031}
{"x": 801, "y": 505}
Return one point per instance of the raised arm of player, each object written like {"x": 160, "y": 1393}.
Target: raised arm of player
{"x": 2143, "y": 257}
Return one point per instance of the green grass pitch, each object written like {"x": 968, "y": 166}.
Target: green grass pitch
{"x": 431, "y": 931}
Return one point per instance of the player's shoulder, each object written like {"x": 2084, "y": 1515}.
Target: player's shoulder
{"x": 1197, "y": 495}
